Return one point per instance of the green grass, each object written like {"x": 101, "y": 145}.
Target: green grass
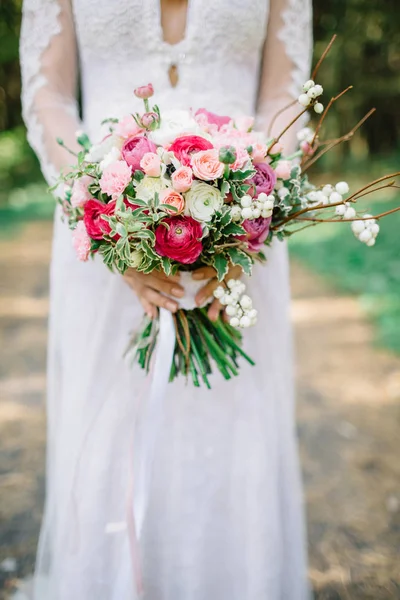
{"x": 373, "y": 274}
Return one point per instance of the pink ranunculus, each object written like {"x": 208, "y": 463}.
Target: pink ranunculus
{"x": 115, "y": 178}
{"x": 242, "y": 157}
{"x": 306, "y": 148}
{"x": 134, "y": 149}
{"x": 172, "y": 198}
{"x": 276, "y": 149}
{"x": 244, "y": 123}
{"x": 256, "y": 233}
{"x": 151, "y": 164}
{"x": 127, "y": 127}
{"x": 181, "y": 241}
{"x": 283, "y": 169}
{"x": 206, "y": 165}
{"x": 80, "y": 193}
{"x": 144, "y": 92}
{"x": 212, "y": 118}
{"x": 258, "y": 152}
{"x": 182, "y": 179}
{"x": 264, "y": 179}
{"x": 183, "y": 147}
{"x": 96, "y": 226}
{"x": 81, "y": 241}
{"x": 148, "y": 119}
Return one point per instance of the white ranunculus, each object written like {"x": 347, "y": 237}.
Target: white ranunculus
{"x": 110, "y": 157}
{"x": 98, "y": 151}
{"x": 202, "y": 201}
{"x": 147, "y": 188}
{"x": 175, "y": 123}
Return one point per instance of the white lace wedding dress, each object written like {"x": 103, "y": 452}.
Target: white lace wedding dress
{"x": 225, "y": 519}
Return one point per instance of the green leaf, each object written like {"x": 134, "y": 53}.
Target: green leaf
{"x": 166, "y": 265}
{"x": 242, "y": 175}
{"x": 225, "y": 218}
{"x": 221, "y": 264}
{"x": 168, "y": 208}
{"x": 233, "y": 229}
{"x": 138, "y": 175}
{"x": 238, "y": 257}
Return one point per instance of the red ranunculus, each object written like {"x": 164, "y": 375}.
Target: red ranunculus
{"x": 257, "y": 232}
{"x": 214, "y": 119}
{"x": 134, "y": 149}
{"x": 182, "y": 241}
{"x": 183, "y": 147}
{"x": 95, "y": 225}
{"x": 264, "y": 179}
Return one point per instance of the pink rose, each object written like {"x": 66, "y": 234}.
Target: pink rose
{"x": 174, "y": 199}
{"x": 127, "y": 127}
{"x": 115, "y": 178}
{"x": 212, "y": 118}
{"x": 182, "y": 179}
{"x": 257, "y": 232}
{"x": 134, "y": 149}
{"x": 264, "y": 179}
{"x": 206, "y": 165}
{"x": 258, "y": 153}
{"x": 283, "y": 169}
{"x": 80, "y": 193}
{"x": 181, "y": 241}
{"x": 95, "y": 225}
{"x": 151, "y": 164}
{"x": 144, "y": 92}
{"x": 81, "y": 241}
{"x": 244, "y": 123}
{"x": 183, "y": 147}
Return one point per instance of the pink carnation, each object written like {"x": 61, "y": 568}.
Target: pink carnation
{"x": 115, "y": 178}
{"x": 81, "y": 241}
{"x": 80, "y": 193}
{"x": 127, "y": 127}
{"x": 241, "y": 158}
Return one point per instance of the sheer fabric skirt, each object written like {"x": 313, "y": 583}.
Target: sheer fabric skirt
{"x": 225, "y": 519}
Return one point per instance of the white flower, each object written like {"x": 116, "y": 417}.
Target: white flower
{"x": 110, "y": 157}
{"x": 342, "y": 187}
{"x": 148, "y": 186}
{"x": 98, "y": 151}
{"x": 175, "y": 123}
{"x": 202, "y": 201}
{"x": 135, "y": 258}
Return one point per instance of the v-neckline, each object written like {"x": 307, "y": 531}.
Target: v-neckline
{"x": 188, "y": 27}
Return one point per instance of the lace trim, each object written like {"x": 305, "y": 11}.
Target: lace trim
{"x": 40, "y": 23}
{"x": 296, "y": 35}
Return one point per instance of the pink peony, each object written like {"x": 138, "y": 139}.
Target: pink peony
{"x": 174, "y": 199}
{"x": 206, "y": 165}
{"x": 96, "y": 226}
{"x": 134, "y": 149}
{"x": 182, "y": 179}
{"x": 115, "y": 178}
{"x": 264, "y": 179}
{"x": 81, "y": 241}
{"x": 212, "y": 118}
{"x": 183, "y": 147}
{"x": 257, "y": 232}
{"x": 181, "y": 241}
{"x": 127, "y": 127}
{"x": 283, "y": 169}
{"x": 144, "y": 92}
{"x": 244, "y": 124}
{"x": 151, "y": 164}
{"x": 80, "y": 193}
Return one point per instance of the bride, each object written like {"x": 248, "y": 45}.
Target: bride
{"x": 225, "y": 517}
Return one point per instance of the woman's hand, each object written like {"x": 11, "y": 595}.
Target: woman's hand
{"x": 206, "y": 291}
{"x": 150, "y": 290}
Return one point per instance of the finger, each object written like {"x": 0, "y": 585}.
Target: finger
{"x": 214, "y": 310}
{"x": 162, "y": 275}
{"x": 204, "y": 273}
{"x": 234, "y": 273}
{"x": 159, "y": 300}
{"x": 149, "y": 309}
{"x": 206, "y": 291}
{"x": 165, "y": 286}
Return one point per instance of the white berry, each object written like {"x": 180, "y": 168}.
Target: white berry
{"x": 340, "y": 210}
{"x": 308, "y": 84}
{"x": 371, "y": 242}
{"x": 318, "y": 89}
{"x": 234, "y": 322}
{"x": 342, "y": 187}
{"x": 266, "y": 213}
{"x": 246, "y": 302}
{"x": 246, "y": 201}
{"x": 231, "y": 310}
{"x": 365, "y": 236}
{"x": 350, "y": 213}
{"x": 357, "y": 227}
{"x": 245, "y": 321}
{"x": 335, "y": 197}
{"x": 247, "y": 213}
{"x": 304, "y": 100}
{"x": 327, "y": 190}
{"x": 219, "y": 292}
{"x": 236, "y": 213}
{"x": 318, "y": 108}
{"x": 374, "y": 229}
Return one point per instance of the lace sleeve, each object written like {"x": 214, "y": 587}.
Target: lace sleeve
{"x": 49, "y": 71}
{"x": 286, "y": 62}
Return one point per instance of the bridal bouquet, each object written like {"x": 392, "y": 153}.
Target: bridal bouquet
{"x": 178, "y": 190}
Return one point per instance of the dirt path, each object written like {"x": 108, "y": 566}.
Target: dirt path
{"x": 348, "y": 415}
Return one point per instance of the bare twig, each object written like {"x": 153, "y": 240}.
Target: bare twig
{"x": 339, "y": 220}
{"x": 292, "y": 122}
{"x": 282, "y": 110}
{"x": 331, "y": 101}
{"x": 321, "y": 60}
